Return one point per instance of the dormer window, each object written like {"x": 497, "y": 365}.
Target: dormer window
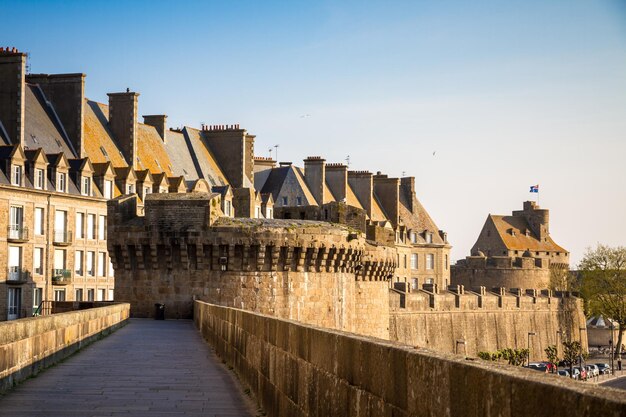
{"x": 258, "y": 212}
{"x": 527, "y": 232}
{"x": 413, "y": 237}
{"x": 146, "y": 191}
{"x": 130, "y": 189}
{"x": 299, "y": 201}
{"x": 86, "y": 190}
{"x": 162, "y": 190}
{"x": 16, "y": 175}
{"x": 227, "y": 208}
{"x": 39, "y": 178}
{"x": 61, "y": 182}
{"x": 108, "y": 189}
{"x": 429, "y": 237}
{"x": 284, "y": 201}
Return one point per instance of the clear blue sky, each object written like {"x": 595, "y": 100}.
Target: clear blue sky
{"x": 508, "y": 94}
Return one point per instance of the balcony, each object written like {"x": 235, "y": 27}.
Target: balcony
{"x": 17, "y": 275}
{"x": 61, "y": 276}
{"x": 17, "y": 233}
{"x": 62, "y": 237}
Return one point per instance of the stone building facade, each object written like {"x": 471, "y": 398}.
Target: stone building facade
{"x": 514, "y": 251}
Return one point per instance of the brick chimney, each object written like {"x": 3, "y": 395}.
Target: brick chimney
{"x": 12, "y": 86}
{"x": 123, "y": 123}
{"x": 407, "y": 188}
{"x": 315, "y": 177}
{"x": 233, "y": 147}
{"x": 66, "y": 92}
{"x": 363, "y": 187}
{"x": 337, "y": 179}
{"x": 159, "y": 122}
{"x": 388, "y": 192}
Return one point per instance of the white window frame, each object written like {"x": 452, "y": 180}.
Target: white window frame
{"x": 39, "y": 221}
{"x": 414, "y": 261}
{"x": 38, "y": 254}
{"x": 86, "y": 186}
{"x": 61, "y": 182}
{"x": 90, "y": 264}
{"x": 430, "y": 261}
{"x": 80, "y": 225}
{"x": 91, "y": 226}
{"x": 102, "y": 224}
{"x": 79, "y": 262}
{"x": 16, "y": 175}
{"x": 39, "y": 178}
{"x": 108, "y": 189}
{"x": 102, "y": 257}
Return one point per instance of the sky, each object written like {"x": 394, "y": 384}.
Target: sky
{"x": 477, "y": 100}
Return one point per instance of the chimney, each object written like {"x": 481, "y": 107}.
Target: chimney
{"x": 407, "y": 188}
{"x": 388, "y": 192}
{"x": 315, "y": 177}
{"x": 233, "y": 148}
{"x": 12, "y": 86}
{"x": 159, "y": 122}
{"x": 123, "y": 123}
{"x": 66, "y": 92}
{"x": 537, "y": 218}
{"x": 337, "y": 179}
{"x": 363, "y": 187}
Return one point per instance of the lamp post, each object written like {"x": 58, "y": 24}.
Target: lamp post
{"x": 528, "y": 345}
{"x": 456, "y": 346}
{"x": 612, "y": 347}
{"x": 559, "y": 334}
{"x": 580, "y": 337}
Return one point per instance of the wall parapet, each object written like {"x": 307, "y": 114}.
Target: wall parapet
{"x": 30, "y": 345}
{"x": 301, "y": 370}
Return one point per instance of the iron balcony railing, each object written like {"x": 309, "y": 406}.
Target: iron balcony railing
{"x": 61, "y": 276}
{"x": 62, "y": 237}
{"x": 17, "y": 274}
{"x": 17, "y": 232}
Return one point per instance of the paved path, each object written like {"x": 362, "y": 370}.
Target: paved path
{"x": 147, "y": 368}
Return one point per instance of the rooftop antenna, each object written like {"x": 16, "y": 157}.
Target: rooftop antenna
{"x": 270, "y": 151}
{"x": 276, "y": 147}
{"x": 348, "y": 161}
{"x": 403, "y": 173}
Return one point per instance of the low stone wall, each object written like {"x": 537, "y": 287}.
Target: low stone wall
{"x": 29, "y": 345}
{"x": 300, "y": 370}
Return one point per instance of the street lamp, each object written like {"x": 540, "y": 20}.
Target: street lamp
{"x": 559, "y": 334}
{"x": 528, "y": 345}
{"x": 580, "y": 337}
{"x": 612, "y": 355}
{"x": 456, "y": 346}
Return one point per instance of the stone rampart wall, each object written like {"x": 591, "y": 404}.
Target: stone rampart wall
{"x": 485, "y": 321}
{"x": 29, "y": 345}
{"x": 491, "y": 277}
{"x": 300, "y": 370}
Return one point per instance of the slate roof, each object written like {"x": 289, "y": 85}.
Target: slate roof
{"x": 151, "y": 152}
{"x": 520, "y": 241}
{"x": 419, "y": 220}
{"x": 204, "y": 159}
{"x": 42, "y": 128}
{"x": 291, "y": 178}
{"x": 97, "y": 136}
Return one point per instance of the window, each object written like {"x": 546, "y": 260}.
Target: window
{"x": 16, "y": 227}
{"x": 299, "y": 201}
{"x": 101, "y": 295}
{"x": 284, "y": 201}
{"x": 258, "y": 212}
{"x": 86, "y": 186}
{"x": 429, "y": 237}
{"x": 110, "y": 268}
{"x": 414, "y": 261}
{"x": 430, "y": 261}
{"x": 78, "y": 262}
{"x": 90, "y": 294}
{"x": 414, "y": 283}
{"x": 39, "y": 229}
{"x": 38, "y": 261}
{"x": 429, "y": 281}
{"x": 16, "y": 175}
{"x": 15, "y": 263}
{"x": 413, "y": 236}
{"x": 79, "y": 294}
{"x": 268, "y": 213}
{"x": 59, "y": 295}
{"x": 102, "y": 224}
{"x": 91, "y": 263}
{"x": 80, "y": 225}
{"x": 162, "y": 190}
{"x": 146, "y": 191}
{"x": 405, "y": 261}
{"x": 61, "y": 182}
{"x": 39, "y": 178}
{"x": 110, "y": 295}
{"x": 130, "y": 189}
{"x": 37, "y": 297}
{"x": 108, "y": 189}
{"x": 59, "y": 259}
{"x": 446, "y": 262}
{"x": 101, "y": 264}
{"x": 91, "y": 226}
{"x": 227, "y": 207}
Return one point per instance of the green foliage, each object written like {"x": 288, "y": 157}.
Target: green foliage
{"x": 514, "y": 357}
{"x": 562, "y": 279}
{"x": 571, "y": 352}
{"x": 603, "y": 272}
{"x": 552, "y": 354}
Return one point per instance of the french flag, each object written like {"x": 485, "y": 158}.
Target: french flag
{"x": 534, "y": 188}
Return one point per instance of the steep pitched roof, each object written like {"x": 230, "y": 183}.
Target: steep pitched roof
{"x": 519, "y": 240}
{"x": 97, "y": 138}
{"x": 151, "y": 151}
{"x": 419, "y": 220}
{"x": 287, "y": 177}
{"x": 203, "y": 157}
{"x": 351, "y": 198}
{"x": 180, "y": 157}
{"x": 42, "y": 128}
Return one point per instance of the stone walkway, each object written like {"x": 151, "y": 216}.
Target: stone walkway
{"x": 147, "y": 368}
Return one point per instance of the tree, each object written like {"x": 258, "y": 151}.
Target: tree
{"x": 603, "y": 271}
{"x": 552, "y": 355}
{"x": 562, "y": 279}
{"x": 571, "y": 352}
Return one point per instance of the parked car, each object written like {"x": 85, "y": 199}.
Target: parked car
{"x": 576, "y": 374}
{"x": 592, "y": 370}
{"x": 537, "y": 367}
{"x": 563, "y": 373}
{"x": 604, "y": 368}
{"x": 582, "y": 373}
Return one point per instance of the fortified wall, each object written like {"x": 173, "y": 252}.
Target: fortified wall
{"x": 470, "y": 321}
{"x": 309, "y": 271}
{"x": 503, "y": 271}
